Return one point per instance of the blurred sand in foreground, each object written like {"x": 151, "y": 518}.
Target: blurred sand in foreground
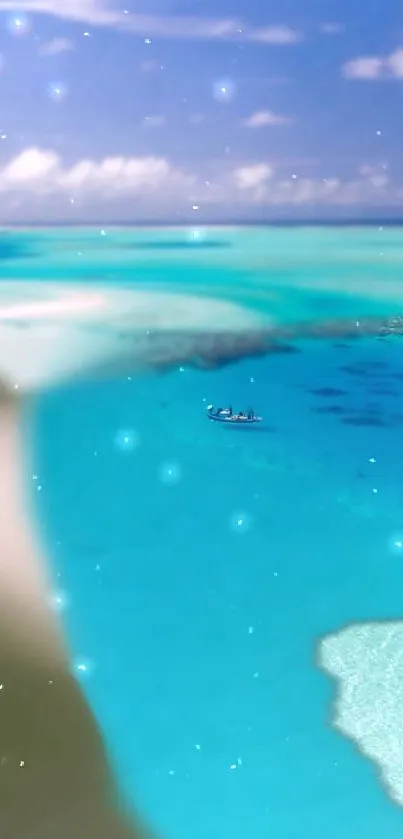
{"x": 55, "y": 781}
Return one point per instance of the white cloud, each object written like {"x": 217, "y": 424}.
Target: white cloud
{"x": 324, "y": 192}
{"x": 41, "y": 173}
{"x": 154, "y": 121}
{"x": 366, "y": 67}
{"x": 151, "y": 66}
{"x": 196, "y": 119}
{"x": 260, "y": 119}
{"x": 54, "y": 47}
{"x": 394, "y": 63}
{"x": 38, "y": 185}
{"x": 369, "y": 169}
{"x": 375, "y": 66}
{"x": 102, "y": 13}
{"x": 376, "y": 176}
{"x": 331, "y": 28}
{"x": 259, "y": 184}
{"x": 252, "y": 177}
{"x": 276, "y": 35}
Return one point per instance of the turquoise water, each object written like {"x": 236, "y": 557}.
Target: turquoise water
{"x": 200, "y": 565}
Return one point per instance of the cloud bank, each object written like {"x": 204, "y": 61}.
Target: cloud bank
{"x": 38, "y": 185}
{"x": 101, "y": 13}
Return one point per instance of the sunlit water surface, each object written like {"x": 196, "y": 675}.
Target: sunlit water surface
{"x": 196, "y": 566}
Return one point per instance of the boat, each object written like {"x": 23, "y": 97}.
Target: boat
{"x": 225, "y": 415}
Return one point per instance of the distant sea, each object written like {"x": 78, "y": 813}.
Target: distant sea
{"x": 198, "y": 564}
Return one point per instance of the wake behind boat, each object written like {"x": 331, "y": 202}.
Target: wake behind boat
{"x": 226, "y": 415}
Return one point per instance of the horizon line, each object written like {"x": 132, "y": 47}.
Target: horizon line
{"x": 329, "y": 222}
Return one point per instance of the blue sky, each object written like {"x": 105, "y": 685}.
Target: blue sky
{"x": 200, "y": 109}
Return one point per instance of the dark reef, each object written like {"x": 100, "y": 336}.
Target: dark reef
{"x": 163, "y": 351}
{"x": 329, "y": 409}
{"x": 366, "y": 419}
{"x": 218, "y": 350}
{"x": 328, "y": 392}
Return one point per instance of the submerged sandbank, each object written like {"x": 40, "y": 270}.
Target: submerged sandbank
{"x": 366, "y": 662}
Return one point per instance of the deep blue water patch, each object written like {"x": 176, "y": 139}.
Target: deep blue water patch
{"x": 369, "y": 420}
{"x": 379, "y": 391}
{"x": 329, "y": 409}
{"x": 327, "y": 392}
{"x": 17, "y": 247}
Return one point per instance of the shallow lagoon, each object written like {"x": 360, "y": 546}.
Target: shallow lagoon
{"x": 197, "y": 566}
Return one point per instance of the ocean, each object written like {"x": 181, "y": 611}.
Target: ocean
{"x": 197, "y": 566}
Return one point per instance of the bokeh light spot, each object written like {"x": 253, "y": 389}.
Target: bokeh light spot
{"x": 59, "y": 601}
{"x": 395, "y": 543}
{"x": 18, "y": 24}
{"x": 170, "y": 473}
{"x": 57, "y": 91}
{"x": 197, "y": 234}
{"x": 240, "y": 521}
{"x": 127, "y": 440}
{"x": 83, "y": 668}
{"x": 224, "y": 90}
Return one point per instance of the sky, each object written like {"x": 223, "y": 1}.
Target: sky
{"x": 200, "y": 111}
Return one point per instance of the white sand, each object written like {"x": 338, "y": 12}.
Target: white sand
{"x": 366, "y": 661}
{"x": 50, "y": 332}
